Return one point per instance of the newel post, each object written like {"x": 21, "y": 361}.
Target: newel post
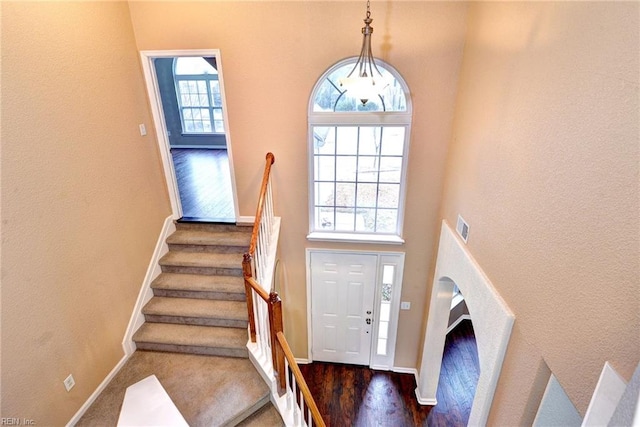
{"x": 246, "y": 270}
{"x": 275, "y": 325}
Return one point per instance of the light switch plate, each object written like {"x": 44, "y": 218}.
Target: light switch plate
{"x": 69, "y": 382}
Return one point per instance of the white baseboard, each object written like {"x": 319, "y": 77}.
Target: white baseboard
{"x": 72, "y": 422}
{"x": 245, "y": 220}
{"x": 145, "y": 294}
{"x": 137, "y": 318}
{"x": 425, "y": 400}
{"x": 403, "y": 370}
{"x": 421, "y": 400}
{"x": 301, "y": 361}
{"x": 458, "y": 321}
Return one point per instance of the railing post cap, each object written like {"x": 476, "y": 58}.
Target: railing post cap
{"x": 274, "y": 297}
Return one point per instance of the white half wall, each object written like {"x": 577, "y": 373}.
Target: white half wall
{"x": 556, "y": 409}
{"x": 491, "y": 317}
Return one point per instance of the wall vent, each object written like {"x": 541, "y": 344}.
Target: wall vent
{"x": 462, "y": 228}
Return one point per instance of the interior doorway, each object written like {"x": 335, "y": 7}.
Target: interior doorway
{"x": 186, "y": 90}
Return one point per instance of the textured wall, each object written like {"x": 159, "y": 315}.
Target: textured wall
{"x": 272, "y": 53}
{"x": 544, "y": 167}
{"x": 83, "y": 200}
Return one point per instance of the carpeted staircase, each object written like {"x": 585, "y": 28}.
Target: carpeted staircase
{"x": 199, "y": 301}
{"x": 199, "y": 306}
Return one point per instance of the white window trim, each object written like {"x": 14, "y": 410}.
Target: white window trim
{"x": 395, "y": 118}
{"x": 389, "y": 239}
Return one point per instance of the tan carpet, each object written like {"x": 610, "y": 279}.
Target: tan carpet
{"x": 207, "y": 390}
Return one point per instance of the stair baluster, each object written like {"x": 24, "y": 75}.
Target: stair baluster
{"x": 264, "y": 308}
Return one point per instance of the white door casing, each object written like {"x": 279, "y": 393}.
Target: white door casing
{"x": 151, "y": 80}
{"x": 376, "y": 341}
{"x": 343, "y": 288}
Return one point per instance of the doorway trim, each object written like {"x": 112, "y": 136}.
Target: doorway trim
{"x": 492, "y": 323}
{"x": 396, "y": 259}
{"x": 153, "y": 91}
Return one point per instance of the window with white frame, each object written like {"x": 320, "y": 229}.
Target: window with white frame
{"x": 358, "y": 158}
{"x": 198, "y": 92}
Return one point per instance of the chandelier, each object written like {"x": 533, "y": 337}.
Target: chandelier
{"x": 365, "y": 80}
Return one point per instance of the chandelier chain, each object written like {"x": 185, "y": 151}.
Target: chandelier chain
{"x": 368, "y": 11}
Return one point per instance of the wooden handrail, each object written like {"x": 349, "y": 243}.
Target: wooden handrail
{"x": 302, "y": 385}
{"x": 263, "y": 192}
{"x": 256, "y": 287}
{"x": 280, "y": 350}
{"x": 247, "y": 269}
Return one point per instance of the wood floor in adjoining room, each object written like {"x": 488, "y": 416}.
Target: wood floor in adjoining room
{"x": 350, "y": 395}
{"x": 204, "y": 183}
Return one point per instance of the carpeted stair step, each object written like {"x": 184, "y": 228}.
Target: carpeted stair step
{"x": 191, "y": 311}
{"x": 209, "y": 241}
{"x": 214, "y": 227}
{"x": 202, "y": 263}
{"x": 206, "y": 340}
{"x": 230, "y": 288}
{"x": 267, "y": 416}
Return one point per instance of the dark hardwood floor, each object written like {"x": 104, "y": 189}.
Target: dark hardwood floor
{"x": 204, "y": 183}
{"x": 458, "y": 378}
{"x": 350, "y": 395}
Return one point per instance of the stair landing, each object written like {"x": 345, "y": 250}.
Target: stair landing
{"x": 208, "y": 391}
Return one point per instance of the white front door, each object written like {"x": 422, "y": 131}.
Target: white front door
{"x": 342, "y": 302}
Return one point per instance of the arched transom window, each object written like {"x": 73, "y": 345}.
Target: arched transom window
{"x": 358, "y": 158}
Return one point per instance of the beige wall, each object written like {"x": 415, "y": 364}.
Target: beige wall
{"x": 83, "y": 200}
{"x": 272, "y": 54}
{"x": 544, "y": 167}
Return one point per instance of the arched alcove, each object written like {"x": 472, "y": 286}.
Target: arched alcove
{"x": 492, "y": 322}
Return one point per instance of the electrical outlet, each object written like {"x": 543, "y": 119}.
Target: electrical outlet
{"x": 69, "y": 382}
{"x": 405, "y": 305}
{"x": 143, "y": 129}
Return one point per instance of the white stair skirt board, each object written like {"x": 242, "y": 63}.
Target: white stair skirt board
{"x": 492, "y": 323}
{"x": 137, "y": 318}
{"x": 146, "y": 403}
{"x": 146, "y": 293}
{"x": 605, "y": 398}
